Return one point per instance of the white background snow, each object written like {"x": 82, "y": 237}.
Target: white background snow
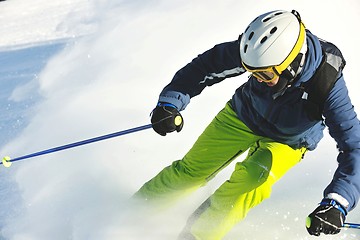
{"x": 76, "y": 69}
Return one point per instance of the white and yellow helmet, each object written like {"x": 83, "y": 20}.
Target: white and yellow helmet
{"x": 272, "y": 41}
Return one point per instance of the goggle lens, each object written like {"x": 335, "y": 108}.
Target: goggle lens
{"x": 265, "y": 76}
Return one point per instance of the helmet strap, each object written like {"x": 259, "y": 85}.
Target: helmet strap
{"x": 293, "y": 70}
{"x": 288, "y": 76}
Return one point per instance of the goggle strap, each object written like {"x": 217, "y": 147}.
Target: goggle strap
{"x": 294, "y": 68}
{"x": 276, "y": 71}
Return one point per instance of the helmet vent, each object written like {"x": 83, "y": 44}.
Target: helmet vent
{"x": 266, "y": 19}
{"x": 273, "y": 30}
{"x": 251, "y": 35}
{"x": 263, "y": 39}
{"x": 245, "y": 48}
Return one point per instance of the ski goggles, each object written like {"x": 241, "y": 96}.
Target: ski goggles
{"x": 269, "y": 73}
{"x": 265, "y": 75}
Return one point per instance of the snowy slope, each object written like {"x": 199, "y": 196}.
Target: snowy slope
{"x": 75, "y": 69}
{"x": 38, "y": 21}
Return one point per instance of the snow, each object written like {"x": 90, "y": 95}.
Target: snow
{"x": 76, "y": 69}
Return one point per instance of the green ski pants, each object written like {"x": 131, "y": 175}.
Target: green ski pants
{"x": 223, "y": 140}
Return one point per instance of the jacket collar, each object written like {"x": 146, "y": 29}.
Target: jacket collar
{"x": 313, "y": 58}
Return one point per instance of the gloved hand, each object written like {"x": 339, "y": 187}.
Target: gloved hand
{"x": 166, "y": 118}
{"x": 328, "y": 218}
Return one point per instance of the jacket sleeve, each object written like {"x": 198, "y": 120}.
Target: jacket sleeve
{"x": 213, "y": 66}
{"x": 344, "y": 127}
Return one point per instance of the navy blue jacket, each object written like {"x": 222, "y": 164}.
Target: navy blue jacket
{"x": 280, "y": 117}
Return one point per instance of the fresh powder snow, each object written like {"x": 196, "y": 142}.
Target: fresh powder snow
{"x": 77, "y": 69}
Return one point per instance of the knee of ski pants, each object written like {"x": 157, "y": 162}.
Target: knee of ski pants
{"x": 255, "y": 173}
{"x": 265, "y": 164}
{"x": 251, "y": 176}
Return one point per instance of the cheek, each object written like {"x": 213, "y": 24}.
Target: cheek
{"x": 275, "y": 81}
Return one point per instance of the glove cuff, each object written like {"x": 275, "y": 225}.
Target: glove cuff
{"x": 335, "y": 204}
{"x": 340, "y": 199}
{"x": 164, "y": 104}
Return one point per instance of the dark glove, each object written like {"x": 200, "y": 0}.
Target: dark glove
{"x": 166, "y": 118}
{"x": 328, "y": 218}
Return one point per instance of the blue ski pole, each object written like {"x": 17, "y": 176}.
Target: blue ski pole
{"x": 351, "y": 225}
{"x": 7, "y": 161}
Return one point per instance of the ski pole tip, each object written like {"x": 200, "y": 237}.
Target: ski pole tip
{"x": 6, "y": 161}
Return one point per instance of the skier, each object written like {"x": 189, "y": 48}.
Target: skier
{"x": 271, "y": 115}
